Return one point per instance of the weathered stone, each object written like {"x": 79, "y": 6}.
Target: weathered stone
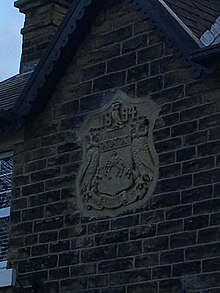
{"x": 114, "y": 141}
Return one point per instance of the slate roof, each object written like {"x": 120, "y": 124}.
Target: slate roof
{"x": 197, "y": 15}
{"x": 10, "y": 90}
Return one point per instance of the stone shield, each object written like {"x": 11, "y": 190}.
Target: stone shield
{"x": 120, "y": 165}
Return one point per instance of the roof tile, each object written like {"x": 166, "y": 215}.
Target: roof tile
{"x": 10, "y": 90}
{"x": 198, "y": 15}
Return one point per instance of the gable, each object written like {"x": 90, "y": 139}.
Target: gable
{"x": 81, "y": 15}
{"x": 62, "y": 48}
{"x": 124, "y": 53}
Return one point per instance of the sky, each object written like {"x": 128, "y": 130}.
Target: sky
{"x": 11, "y": 22}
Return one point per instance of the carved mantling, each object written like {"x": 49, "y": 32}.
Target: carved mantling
{"x": 120, "y": 164}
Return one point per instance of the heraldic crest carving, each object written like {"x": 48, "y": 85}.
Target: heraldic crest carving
{"x": 120, "y": 164}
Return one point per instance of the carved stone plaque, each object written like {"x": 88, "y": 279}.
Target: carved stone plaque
{"x": 120, "y": 164}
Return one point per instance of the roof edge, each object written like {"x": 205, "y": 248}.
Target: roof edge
{"x": 54, "y": 62}
{"x": 188, "y": 31}
{"x": 206, "y": 55}
{"x": 172, "y": 32}
{"x": 45, "y": 64}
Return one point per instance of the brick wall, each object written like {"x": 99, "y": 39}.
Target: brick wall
{"x": 172, "y": 242}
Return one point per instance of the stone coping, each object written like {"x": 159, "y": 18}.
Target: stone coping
{"x": 7, "y": 277}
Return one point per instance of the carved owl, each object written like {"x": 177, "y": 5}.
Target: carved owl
{"x": 90, "y": 164}
{"x": 141, "y": 154}
{"x": 116, "y": 114}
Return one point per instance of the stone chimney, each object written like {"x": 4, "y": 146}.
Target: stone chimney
{"x": 42, "y": 18}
